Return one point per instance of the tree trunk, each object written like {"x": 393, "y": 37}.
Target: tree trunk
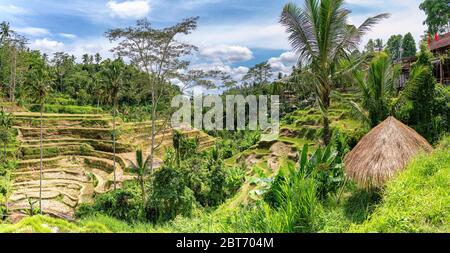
{"x": 152, "y": 148}
{"x": 143, "y": 191}
{"x": 326, "y": 131}
{"x": 12, "y": 85}
{"x": 114, "y": 144}
{"x": 40, "y": 170}
{"x": 441, "y": 72}
{"x": 4, "y": 151}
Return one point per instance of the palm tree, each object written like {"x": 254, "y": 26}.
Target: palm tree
{"x": 141, "y": 167}
{"x": 5, "y": 31}
{"x": 113, "y": 73}
{"x": 321, "y": 35}
{"x": 376, "y": 85}
{"x": 40, "y": 88}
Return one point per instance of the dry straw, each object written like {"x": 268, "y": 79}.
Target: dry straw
{"x": 383, "y": 152}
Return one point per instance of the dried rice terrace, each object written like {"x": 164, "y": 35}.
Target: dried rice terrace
{"x": 78, "y": 158}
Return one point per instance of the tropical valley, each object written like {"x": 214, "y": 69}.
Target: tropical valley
{"x": 87, "y": 144}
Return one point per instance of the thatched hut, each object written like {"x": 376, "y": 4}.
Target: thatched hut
{"x": 383, "y": 152}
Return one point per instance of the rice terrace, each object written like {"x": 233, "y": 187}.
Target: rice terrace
{"x": 142, "y": 116}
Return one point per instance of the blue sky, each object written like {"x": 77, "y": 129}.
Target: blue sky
{"x": 232, "y": 34}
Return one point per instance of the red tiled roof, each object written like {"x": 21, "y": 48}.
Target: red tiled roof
{"x": 444, "y": 41}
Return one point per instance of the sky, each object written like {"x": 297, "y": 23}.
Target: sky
{"x": 232, "y": 35}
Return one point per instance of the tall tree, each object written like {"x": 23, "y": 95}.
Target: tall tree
{"x": 394, "y": 47}
{"x": 370, "y": 46}
{"x": 379, "y": 46}
{"x": 13, "y": 43}
{"x": 159, "y": 54}
{"x": 63, "y": 65}
{"x": 114, "y": 77}
{"x": 141, "y": 167}
{"x": 39, "y": 88}
{"x": 321, "y": 35}
{"x": 258, "y": 74}
{"x": 409, "y": 45}
{"x": 98, "y": 58}
{"x": 438, "y": 15}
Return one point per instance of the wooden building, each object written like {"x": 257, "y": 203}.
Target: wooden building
{"x": 441, "y": 50}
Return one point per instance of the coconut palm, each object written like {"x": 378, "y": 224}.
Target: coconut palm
{"x": 5, "y": 31}
{"x": 376, "y": 85}
{"x": 114, "y": 76}
{"x": 321, "y": 35}
{"x": 140, "y": 167}
{"x": 40, "y": 87}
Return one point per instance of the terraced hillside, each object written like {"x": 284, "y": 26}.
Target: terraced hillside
{"x": 78, "y": 158}
{"x": 296, "y": 129}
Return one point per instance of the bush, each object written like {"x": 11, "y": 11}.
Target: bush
{"x": 70, "y": 109}
{"x": 124, "y": 204}
{"x": 170, "y": 196}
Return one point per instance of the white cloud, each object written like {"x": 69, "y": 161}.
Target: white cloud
{"x": 33, "y": 31}
{"x": 12, "y": 9}
{"x": 47, "y": 46}
{"x": 226, "y": 53}
{"x": 68, "y": 35}
{"x": 283, "y": 63}
{"x": 405, "y": 17}
{"x": 129, "y": 9}
{"x": 260, "y": 35}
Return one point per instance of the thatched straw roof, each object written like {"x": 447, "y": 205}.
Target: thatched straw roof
{"x": 383, "y": 152}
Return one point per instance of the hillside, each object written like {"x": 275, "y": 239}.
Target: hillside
{"x": 78, "y": 158}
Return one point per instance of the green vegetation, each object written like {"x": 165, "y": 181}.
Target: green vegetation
{"x": 93, "y": 142}
{"x": 417, "y": 200}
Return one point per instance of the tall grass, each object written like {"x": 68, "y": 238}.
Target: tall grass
{"x": 418, "y": 200}
{"x": 297, "y": 211}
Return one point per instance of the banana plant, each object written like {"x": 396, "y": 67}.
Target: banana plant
{"x": 324, "y": 167}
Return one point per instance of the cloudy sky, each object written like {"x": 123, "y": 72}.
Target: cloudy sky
{"x": 232, "y": 34}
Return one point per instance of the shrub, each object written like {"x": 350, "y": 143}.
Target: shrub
{"x": 124, "y": 204}
{"x": 170, "y": 196}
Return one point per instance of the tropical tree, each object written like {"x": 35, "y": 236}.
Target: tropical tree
{"x": 321, "y": 35}
{"x": 258, "y": 74}
{"x": 160, "y": 55}
{"x": 141, "y": 167}
{"x": 39, "y": 88}
{"x": 376, "y": 85}
{"x": 370, "y": 46}
{"x": 408, "y": 46}
{"x": 379, "y": 46}
{"x": 394, "y": 46}
{"x": 13, "y": 43}
{"x": 438, "y": 15}
{"x": 114, "y": 78}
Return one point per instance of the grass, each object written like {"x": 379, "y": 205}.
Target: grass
{"x": 418, "y": 200}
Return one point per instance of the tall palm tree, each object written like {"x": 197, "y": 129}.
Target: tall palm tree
{"x": 376, "y": 85}
{"x": 321, "y": 35}
{"x": 114, "y": 73}
{"x": 140, "y": 167}
{"x": 5, "y": 31}
{"x": 40, "y": 87}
